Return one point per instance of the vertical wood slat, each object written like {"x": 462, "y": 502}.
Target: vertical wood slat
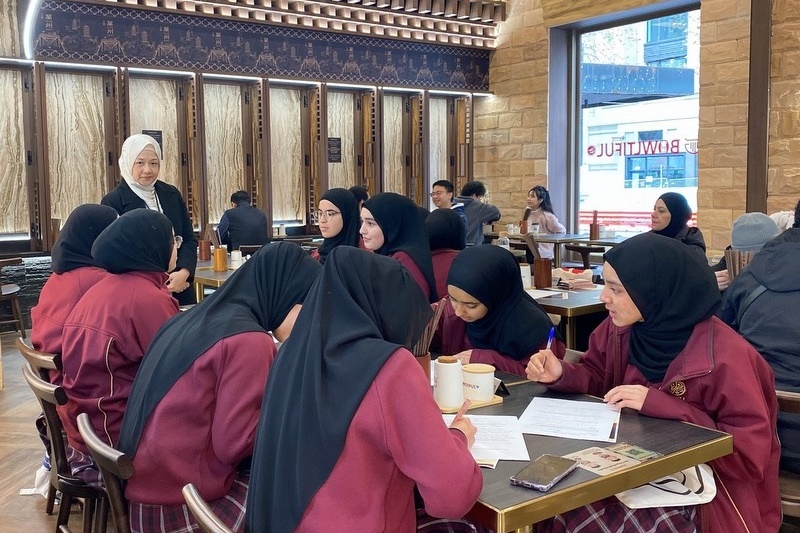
{"x": 758, "y": 106}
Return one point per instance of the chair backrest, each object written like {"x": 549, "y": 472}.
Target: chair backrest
{"x": 41, "y": 362}
{"x": 530, "y": 240}
{"x": 49, "y": 396}
{"x": 789, "y": 402}
{"x": 115, "y": 467}
{"x": 249, "y": 249}
{"x": 206, "y": 519}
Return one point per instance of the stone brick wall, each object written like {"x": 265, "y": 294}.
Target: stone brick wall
{"x": 30, "y": 276}
{"x": 511, "y": 127}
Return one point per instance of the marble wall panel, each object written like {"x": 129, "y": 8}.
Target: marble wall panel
{"x": 438, "y": 163}
{"x": 224, "y": 151}
{"x": 14, "y": 216}
{"x": 10, "y": 42}
{"x": 393, "y": 155}
{"x": 75, "y": 140}
{"x": 341, "y": 107}
{"x": 154, "y": 107}
{"x": 286, "y": 155}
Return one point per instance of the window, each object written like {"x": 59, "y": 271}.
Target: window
{"x": 638, "y": 118}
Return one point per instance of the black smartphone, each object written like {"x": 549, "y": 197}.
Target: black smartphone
{"x": 544, "y": 472}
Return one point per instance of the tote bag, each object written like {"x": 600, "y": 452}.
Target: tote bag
{"x": 692, "y": 486}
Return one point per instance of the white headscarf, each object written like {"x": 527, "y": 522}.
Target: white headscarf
{"x": 131, "y": 149}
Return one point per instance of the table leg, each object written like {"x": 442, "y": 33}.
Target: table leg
{"x": 570, "y": 332}
{"x": 556, "y": 255}
{"x": 526, "y": 529}
{"x": 198, "y": 291}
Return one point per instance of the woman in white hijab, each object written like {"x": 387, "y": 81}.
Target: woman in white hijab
{"x": 139, "y": 164}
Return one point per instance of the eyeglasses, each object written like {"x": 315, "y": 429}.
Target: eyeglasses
{"x": 327, "y": 214}
{"x": 178, "y": 240}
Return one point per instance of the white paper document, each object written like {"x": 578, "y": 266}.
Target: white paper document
{"x": 498, "y": 437}
{"x": 571, "y": 419}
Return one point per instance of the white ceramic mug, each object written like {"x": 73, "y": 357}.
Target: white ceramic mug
{"x": 478, "y": 382}
{"x": 447, "y": 383}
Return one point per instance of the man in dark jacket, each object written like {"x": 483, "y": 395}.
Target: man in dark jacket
{"x": 478, "y": 211}
{"x": 243, "y": 223}
{"x": 759, "y": 305}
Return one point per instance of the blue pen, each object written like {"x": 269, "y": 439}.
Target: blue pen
{"x": 550, "y": 337}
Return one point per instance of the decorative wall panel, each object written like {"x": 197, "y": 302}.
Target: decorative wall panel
{"x": 73, "y": 31}
{"x": 10, "y": 42}
{"x": 286, "y": 156}
{"x": 393, "y": 153}
{"x": 438, "y": 162}
{"x": 224, "y": 151}
{"x": 75, "y": 141}
{"x": 154, "y": 107}
{"x": 14, "y": 216}
{"x": 341, "y": 126}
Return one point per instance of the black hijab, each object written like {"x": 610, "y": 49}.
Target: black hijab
{"x": 257, "y": 297}
{"x": 139, "y": 240}
{"x": 515, "y": 325}
{"x": 679, "y": 211}
{"x": 403, "y": 230}
{"x": 348, "y": 205}
{"x": 672, "y": 288}
{"x": 73, "y": 247}
{"x": 361, "y": 309}
{"x": 445, "y": 230}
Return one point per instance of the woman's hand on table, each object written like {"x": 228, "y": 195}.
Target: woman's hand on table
{"x": 631, "y": 396}
{"x": 464, "y": 357}
{"x": 544, "y": 367}
{"x": 177, "y": 281}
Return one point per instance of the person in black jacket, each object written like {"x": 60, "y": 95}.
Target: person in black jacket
{"x": 243, "y": 223}
{"x": 139, "y": 164}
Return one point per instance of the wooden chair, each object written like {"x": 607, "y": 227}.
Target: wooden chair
{"x": 9, "y": 292}
{"x": 530, "y": 240}
{"x": 42, "y": 363}
{"x": 61, "y": 478}
{"x": 249, "y": 249}
{"x": 584, "y": 251}
{"x": 206, "y": 519}
{"x": 115, "y": 467}
{"x": 789, "y": 402}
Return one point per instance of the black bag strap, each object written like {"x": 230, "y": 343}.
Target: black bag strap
{"x": 747, "y": 301}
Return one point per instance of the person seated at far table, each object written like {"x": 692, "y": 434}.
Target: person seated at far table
{"x": 193, "y": 408}
{"x": 109, "y": 330}
{"x": 443, "y": 197}
{"x": 759, "y": 305}
{"x": 669, "y": 218}
{"x": 540, "y": 211}
{"x": 792, "y": 234}
{"x": 391, "y": 225}
{"x": 479, "y": 212}
{"x": 74, "y": 272}
{"x": 663, "y": 353}
{"x": 348, "y": 426}
{"x": 338, "y": 222}
{"x": 750, "y": 232}
{"x": 446, "y": 238}
{"x": 489, "y": 317}
{"x": 243, "y": 223}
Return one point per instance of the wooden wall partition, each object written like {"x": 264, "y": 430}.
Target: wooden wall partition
{"x": 393, "y": 144}
{"x": 286, "y": 154}
{"x": 14, "y": 207}
{"x": 418, "y": 184}
{"x": 368, "y": 138}
{"x": 438, "y": 145}
{"x": 76, "y": 154}
{"x": 341, "y": 116}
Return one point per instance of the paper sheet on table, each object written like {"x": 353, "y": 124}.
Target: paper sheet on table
{"x": 571, "y": 419}
{"x": 498, "y": 437}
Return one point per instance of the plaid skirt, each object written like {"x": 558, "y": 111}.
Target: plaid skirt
{"x": 611, "y": 516}
{"x": 230, "y": 509}
{"x": 83, "y": 467}
{"x": 429, "y": 524}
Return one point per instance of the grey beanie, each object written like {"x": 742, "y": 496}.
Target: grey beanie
{"x": 751, "y": 231}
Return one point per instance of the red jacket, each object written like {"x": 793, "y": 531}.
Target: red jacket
{"x": 442, "y": 259}
{"x": 58, "y": 296}
{"x": 408, "y": 262}
{"x": 727, "y": 386}
{"x": 396, "y": 439}
{"x": 104, "y": 339}
{"x": 205, "y": 425}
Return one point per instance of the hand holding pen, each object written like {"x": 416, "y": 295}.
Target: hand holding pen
{"x": 463, "y": 424}
{"x": 544, "y": 366}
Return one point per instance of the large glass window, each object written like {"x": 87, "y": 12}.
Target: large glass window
{"x": 638, "y": 119}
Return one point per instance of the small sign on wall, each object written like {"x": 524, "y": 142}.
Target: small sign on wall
{"x": 334, "y": 149}
{"x": 156, "y": 134}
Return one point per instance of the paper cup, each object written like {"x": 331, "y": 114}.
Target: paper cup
{"x": 534, "y": 228}
{"x": 478, "y": 382}
{"x": 447, "y": 383}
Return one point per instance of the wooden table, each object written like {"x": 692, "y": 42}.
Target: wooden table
{"x": 571, "y": 304}
{"x": 205, "y": 276}
{"x": 504, "y": 507}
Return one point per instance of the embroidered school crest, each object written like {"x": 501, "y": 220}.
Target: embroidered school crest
{"x": 677, "y": 388}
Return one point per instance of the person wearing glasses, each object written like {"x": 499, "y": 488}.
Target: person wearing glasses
{"x": 443, "y": 197}
{"x": 243, "y": 223}
{"x": 338, "y": 222}
{"x": 109, "y": 330}
{"x": 140, "y": 188}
